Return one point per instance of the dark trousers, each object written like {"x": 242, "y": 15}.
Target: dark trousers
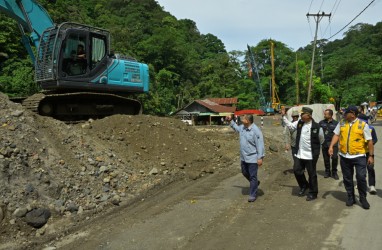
{"x": 249, "y": 170}
{"x": 370, "y": 172}
{"x": 294, "y": 152}
{"x": 310, "y": 166}
{"x": 326, "y": 156}
{"x": 347, "y": 167}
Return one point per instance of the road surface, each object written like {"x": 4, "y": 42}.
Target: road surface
{"x": 213, "y": 213}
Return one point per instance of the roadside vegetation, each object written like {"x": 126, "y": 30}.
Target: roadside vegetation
{"x": 187, "y": 65}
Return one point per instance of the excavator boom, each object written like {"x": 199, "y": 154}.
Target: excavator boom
{"x": 31, "y": 17}
{"x": 74, "y": 67}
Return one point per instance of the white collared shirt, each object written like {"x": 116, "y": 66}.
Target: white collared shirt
{"x": 305, "y": 145}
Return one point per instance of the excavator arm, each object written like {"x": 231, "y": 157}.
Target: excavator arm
{"x": 31, "y": 18}
{"x": 74, "y": 67}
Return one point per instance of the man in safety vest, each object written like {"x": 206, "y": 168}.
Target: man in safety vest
{"x": 352, "y": 134}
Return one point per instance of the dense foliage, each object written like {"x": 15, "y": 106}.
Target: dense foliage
{"x": 187, "y": 65}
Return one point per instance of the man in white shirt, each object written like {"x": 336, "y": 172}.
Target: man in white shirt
{"x": 308, "y": 142}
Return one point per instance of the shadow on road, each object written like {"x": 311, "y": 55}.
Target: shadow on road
{"x": 379, "y": 193}
{"x": 245, "y": 191}
{"x": 339, "y": 195}
{"x": 295, "y": 189}
{"x": 288, "y": 171}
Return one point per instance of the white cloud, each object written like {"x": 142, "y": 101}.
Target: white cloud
{"x": 238, "y": 22}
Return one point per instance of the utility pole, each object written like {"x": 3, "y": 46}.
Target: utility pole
{"x": 317, "y": 17}
{"x": 297, "y": 87}
{"x": 322, "y": 67}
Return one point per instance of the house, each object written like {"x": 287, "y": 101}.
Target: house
{"x": 211, "y": 111}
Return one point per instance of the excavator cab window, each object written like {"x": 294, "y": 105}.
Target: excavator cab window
{"x": 98, "y": 45}
{"x": 75, "y": 60}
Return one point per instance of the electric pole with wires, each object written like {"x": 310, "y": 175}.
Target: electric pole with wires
{"x": 317, "y": 17}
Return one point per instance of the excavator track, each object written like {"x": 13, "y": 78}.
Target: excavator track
{"x": 31, "y": 103}
{"x": 81, "y": 105}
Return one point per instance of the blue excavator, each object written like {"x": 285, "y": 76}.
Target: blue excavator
{"x": 78, "y": 75}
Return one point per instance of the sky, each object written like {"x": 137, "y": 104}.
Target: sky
{"x": 241, "y": 22}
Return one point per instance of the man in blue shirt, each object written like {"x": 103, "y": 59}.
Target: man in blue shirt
{"x": 251, "y": 151}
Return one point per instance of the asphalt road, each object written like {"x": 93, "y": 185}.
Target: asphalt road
{"x": 358, "y": 228}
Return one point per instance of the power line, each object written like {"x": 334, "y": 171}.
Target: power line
{"x": 352, "y": 20}
{"x": 322, "y": 3}
{"x": 310, "y": 6}
{"x": 334, "y": 10}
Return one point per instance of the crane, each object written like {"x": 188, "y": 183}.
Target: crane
{"x": 264, "y": 105}
{"x": 79, "y": 76}
{"x": 275, "y": 96}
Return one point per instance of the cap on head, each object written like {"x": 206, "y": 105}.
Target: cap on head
{"x": 352, "y": 109}
{"x": 307, "y": 110}
{"x": 295, "y": 113}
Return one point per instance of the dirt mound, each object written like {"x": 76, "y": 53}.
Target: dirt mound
{"x": 82, "y": 169}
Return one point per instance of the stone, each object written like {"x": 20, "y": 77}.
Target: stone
{"x": 115, "y": 200}
{"x": 86, "y": 126}
{"x": 193, "y": 175}
{"x": 20, "y": 212}
{"x": 80, "y": 210}
{"x": 29, "y": 188}
{"x": 17, "y": 113}
{"x": 49, "y": 248}
{"x": 273, "y": 148}
{"x": 153, "y": 171}
{"x": 1, "y": 215}
{"x": 104, "y": 197}
{"x": 38, "y": 217}
{"x": 72, "y": 207}
{"x": 103, "y": 169}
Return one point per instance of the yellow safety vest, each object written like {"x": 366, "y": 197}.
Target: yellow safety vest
{"x": 352, "y": 140}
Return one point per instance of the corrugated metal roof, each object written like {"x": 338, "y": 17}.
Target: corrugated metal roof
{"x": 213, "y": 106}
{"x": 224, "y": 101}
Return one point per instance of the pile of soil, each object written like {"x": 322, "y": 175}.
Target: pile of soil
{"x": 54, "y": 174}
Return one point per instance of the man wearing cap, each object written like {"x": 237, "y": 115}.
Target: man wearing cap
{"x": 308, "y": 143}
{"x": 328, "y": 125}
{"x": 290, "y": 136}
{"x": 370, "y": 168}
{"x": 352, "y": 134}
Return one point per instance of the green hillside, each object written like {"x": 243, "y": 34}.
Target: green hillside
{"x": 187, "y": 65}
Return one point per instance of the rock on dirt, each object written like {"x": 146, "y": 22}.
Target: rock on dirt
{"x": 70, "y": 170}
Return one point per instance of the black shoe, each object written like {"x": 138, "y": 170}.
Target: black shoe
{"x": 350, "y": 201}
{"x": 302, "y": 191}
{"x": 311, "y": 197}
{"x": 364, "y": 203}
{"x": 326, "y": 175}
{"x": 335, "y": 176}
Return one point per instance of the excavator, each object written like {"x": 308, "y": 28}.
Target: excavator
{"x": 78, "y": 75}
